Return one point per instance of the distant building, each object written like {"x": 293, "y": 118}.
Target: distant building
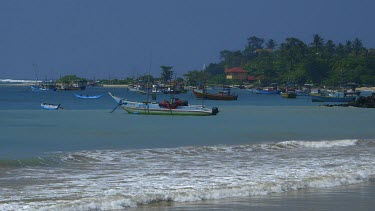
{"x": 236, "y": 73}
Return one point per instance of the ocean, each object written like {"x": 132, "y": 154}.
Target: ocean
{"x": 261, "y": 152}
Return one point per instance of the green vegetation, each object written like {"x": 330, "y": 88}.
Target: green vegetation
{"x": 319, "y": 62}
{"x": 68, "y": 79}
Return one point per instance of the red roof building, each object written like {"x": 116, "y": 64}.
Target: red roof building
{"x": 236, "y": 73}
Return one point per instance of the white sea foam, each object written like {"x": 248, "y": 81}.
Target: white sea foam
{"x": 116, "y": 179}
{"x": 115, "y": 200}
{"x": 321, "y": 144}
{"x": 17, "y": 81}
{"x": 309, "y": 144}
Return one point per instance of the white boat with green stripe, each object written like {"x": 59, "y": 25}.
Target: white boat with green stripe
{"x": 173, "y": 107}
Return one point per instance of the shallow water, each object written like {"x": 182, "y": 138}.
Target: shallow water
{"x": 260, "y": 152}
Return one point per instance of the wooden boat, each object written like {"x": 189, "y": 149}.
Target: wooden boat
{"x": 223, "y": 95}
{"x": 173, "y": 107}
{"x": 288, "y": 94}
{"x": 49, "y": 106}
{"x": 88, "y": 96}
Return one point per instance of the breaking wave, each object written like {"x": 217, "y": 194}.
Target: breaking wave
{"x": 17, "y": 81}
{"x": 319, "y": 144}
{"x": 117, "y": 179}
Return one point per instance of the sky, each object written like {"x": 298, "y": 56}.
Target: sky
{"x": 106, "y": 39}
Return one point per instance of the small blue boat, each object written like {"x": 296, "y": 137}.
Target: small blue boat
{"x": 48, "y": 106}
{"x": 88, "y": 96}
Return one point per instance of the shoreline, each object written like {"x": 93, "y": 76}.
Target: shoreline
{"x": 30, "y": 84}
{"x": 372, "y": 89}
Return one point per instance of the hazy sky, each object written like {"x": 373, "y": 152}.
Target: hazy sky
{"x": 120, "y": 38}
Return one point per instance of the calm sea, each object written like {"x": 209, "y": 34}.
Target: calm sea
{"x": 262, "y": 152}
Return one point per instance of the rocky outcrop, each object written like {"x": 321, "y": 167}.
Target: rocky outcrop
{"x": 361, "y": 102}
{"x": 364, "y": 102}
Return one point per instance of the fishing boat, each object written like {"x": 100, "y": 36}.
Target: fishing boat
{"x": 153, "y": 91}
{"x": 46, "y": 86}
{"x": 88, "y": 96}
{"x": 134, "y": 88}
{"x": 37, "y": 88}
{"x": 171, "y": 91}
{"x": 332, "y": 97}
{"x": 288, "y": 93}
{"x": 269, "y": 90}
{"x": 223, "y": 95}
{"x": 317, "y": 98}
{"x": 49, "y": 106}
{"x": 173, "y": 107}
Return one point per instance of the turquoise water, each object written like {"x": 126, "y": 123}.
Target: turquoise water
{"x": 85, "y": 157}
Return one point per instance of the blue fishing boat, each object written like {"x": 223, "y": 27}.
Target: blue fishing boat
{"x": 43, "y": 87}
{"x": 333, "y": 97}
{"x": 317, "y": 98}
{"x": 88, "y": 96}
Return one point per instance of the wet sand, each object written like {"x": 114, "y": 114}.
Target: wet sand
{"x": 352, "y": 197}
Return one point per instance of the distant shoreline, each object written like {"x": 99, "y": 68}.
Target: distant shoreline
{"x": 30, "y": 84}
{"x": 125, "y": 86}
{"x": 16, "y": 84}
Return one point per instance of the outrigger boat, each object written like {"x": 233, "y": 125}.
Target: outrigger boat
{"x": 49, "y": 106}
{"x": 223, "y": 95}
{"x": 173, "y": 107}
{"x": 88, "y": 96}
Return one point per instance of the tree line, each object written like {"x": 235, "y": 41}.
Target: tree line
{"x": 319, "y": 62}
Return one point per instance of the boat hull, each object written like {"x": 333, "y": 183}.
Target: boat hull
{"x": 162, "y": 111}
{"x": 214, "y": 96}
{"x": 88, "y": 97}
{"x": 48, "y": 106}
{"x": 149, "y": 108}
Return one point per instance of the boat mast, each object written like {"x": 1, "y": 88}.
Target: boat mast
{"x": 204, "y": 91}
{"x": 35, "y": 67}
{"x": 148, "y": 79}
